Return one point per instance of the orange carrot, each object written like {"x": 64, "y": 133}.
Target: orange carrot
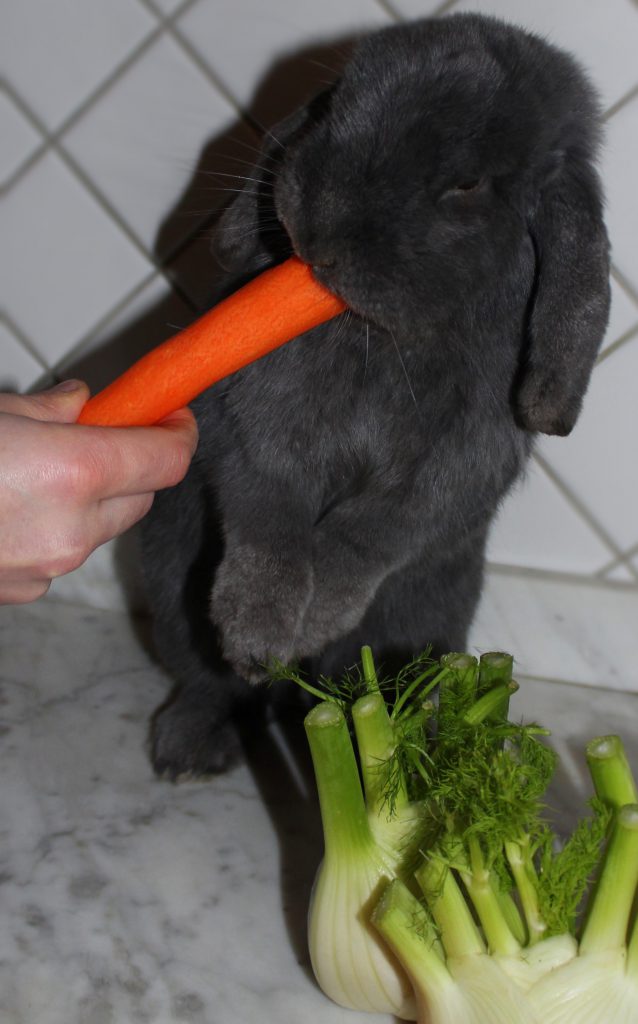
{"x": 273, "y": 308}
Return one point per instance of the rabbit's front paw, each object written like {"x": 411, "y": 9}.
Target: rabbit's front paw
{"x": 257, "y": 603}
{"x": 187, "y": 742}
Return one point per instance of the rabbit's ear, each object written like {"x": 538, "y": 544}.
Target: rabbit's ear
{"x": 570, "y": 305}
{"x": 246, "y": 232}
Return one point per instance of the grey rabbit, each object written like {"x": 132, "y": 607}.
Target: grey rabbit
{"x": 445, "y": 187}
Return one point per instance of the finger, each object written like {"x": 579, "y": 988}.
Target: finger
{"x": 137, "y": 460}
{"x": 22, "y": 591}
{"x": 183, "y": 423}
{"x": 114, "y": 516}
{"x": 60, "y": 404}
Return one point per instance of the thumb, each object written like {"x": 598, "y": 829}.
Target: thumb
{"x": 59, "y": 404}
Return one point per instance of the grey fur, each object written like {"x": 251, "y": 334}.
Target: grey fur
{"x": 345, "y": 484}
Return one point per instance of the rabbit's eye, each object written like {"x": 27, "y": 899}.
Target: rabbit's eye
{"x": 462, "y": 189}
{"x": 468, "y": 186}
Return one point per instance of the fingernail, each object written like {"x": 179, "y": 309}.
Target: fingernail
{"x": 68, "y": 385}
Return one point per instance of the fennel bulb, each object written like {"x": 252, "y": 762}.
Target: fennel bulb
{"x": 352, "y": 966}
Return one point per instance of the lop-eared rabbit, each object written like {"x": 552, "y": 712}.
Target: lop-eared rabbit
{"x": 445, "y": 187}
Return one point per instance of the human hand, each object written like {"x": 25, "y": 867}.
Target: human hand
{"x": 65, "y": 489}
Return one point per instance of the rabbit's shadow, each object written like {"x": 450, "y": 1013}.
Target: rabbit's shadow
{"x": 183, "y": 245}
{"x": 182, "y": 250}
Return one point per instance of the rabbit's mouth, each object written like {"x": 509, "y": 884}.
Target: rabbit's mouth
{"x": 327, "y": 274}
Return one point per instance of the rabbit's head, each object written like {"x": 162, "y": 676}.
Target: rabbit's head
{"x": 412, "y": 186}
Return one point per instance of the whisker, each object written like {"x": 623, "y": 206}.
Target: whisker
{"x": 254, "y": 149}
{"x": 238, "y": 177}
{"x": 320, "y": 64}
{"x": 226, "y": 188}
{"x": 246, "y": 163}
{"x": 341, "y": 322}
{"x": 405, "y": 372}
{"x": 268, "y": 133}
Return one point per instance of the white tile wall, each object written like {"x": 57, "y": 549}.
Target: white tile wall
{"x": 143, "y": 163}
{"x": 68, "y": 261}
{"x": 622, "y": 319}
{"x": 19, "y": 367}
{"x": 55, "y": 54}
{"x": 601, "y": 466}
{"x": 539, "y": 529}
{"x": 114, "y": 118}
{"x": 620, "y": 173}
{"x": 256, "y": 35}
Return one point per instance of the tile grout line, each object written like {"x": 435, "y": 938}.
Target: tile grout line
{"x": 620, "y": 103}
{"x": 443, "y": 8}
{"x": 575, "y": 683}
{"x": 620, "y": 342}
{"x": 104, "y": 321}
{"x": 390, "y": 9}
{"x": 625, "y": 283}
{"x": 49, "y": 138}
{"x": 118, "y": 72}
{"x": 56, "y": 145}
{"x": 558, "y": 576}
{"x": 54, "y": 142}
{"x": 582, "y": 510}
{"x": 24, "y": 341}
{"x": 617, "y": 562}
{"x": 200, "y": 62}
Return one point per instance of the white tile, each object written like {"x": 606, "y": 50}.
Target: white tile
{"x": 598, "y": 460}
{"x": 149, "y": 318}
{"x": 166, "y": 7}
{"x": 55, "y": 54}
{"x": 537, "y": 528}
{"x": 603, "y": 36}
{"x": 64, "y": 262}
{"x": 142, "y": 141}
{"x": 18, "y": 368}
{"x": 558, "y": 630}
{"x": 417, "y": 8}
{"x": 623, "y": 315}
{"x": 620, "y": 173}
{"x": 621, "y": 574}
{"x": 19, "y": 138}
{"x": 256, "y": 36}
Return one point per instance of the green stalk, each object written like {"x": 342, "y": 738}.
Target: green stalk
{"x": 457, "y": 691}
{"x": 495, "y": 668}
{"x": 511, "y": 914}
{"x": 369, "y": 670}
{"x": 410, "y": 690}
{"x": 400, "y": 919}
{"x": 490, "y": 705}
{"x": 610, "y": 772}
{"x": 459, "y": 933}
{"x": 343, "y": 812}
{"x": 478, "y": 883}
{"x": 608, "y": 919}
{"x": 383, "y": 780}
{"x": 522, "y": 869}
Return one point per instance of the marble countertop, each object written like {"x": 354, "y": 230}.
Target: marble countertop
{"x": 125, "y": 899}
